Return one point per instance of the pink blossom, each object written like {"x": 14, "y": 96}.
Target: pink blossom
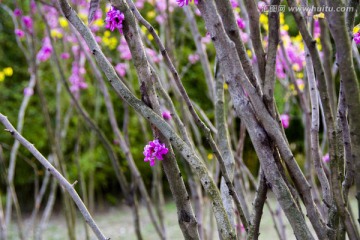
{"x": 52, "y": 16}
{"x": 17, "y": 12}
{"x": 193, "y": 58}
{"x": 166, "y": 115}
{"x": 124, "y": 50}
{"x": 33, "y": 6}
{"x": 280, "y": 70}
{"x": 76, "y": 79}
{"x": 121, "y": 69}
{"x": 357, "y": 38}
{"x": 262, "y": 6}
{"x": 28, "y": 23}
{"x": 285, "y": 120}
{"x": 153, "y": 55}
{"x": 46, "y": 50}
{"x": 326, "y": 158}
{"x": 160, "y": 18}
{"x": 244, "y": 36}
{"x": 20, "y": 33}
{"x": 317, "y": 29}
{"x": 153, "y": 150}
{"x": 181, "y": 3}
{"x": 206, "y": 39}
{"x": 28, "y": 91}
{"x": 114, "y": 19}
{"x": 139, "y": 4}
{"x": 234, "y": 3}
{"x": 65, "y": 55}
{"x": 300, "y": 84}
{"x": 241, "y": 23}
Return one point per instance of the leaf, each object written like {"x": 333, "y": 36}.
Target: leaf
{"x": 94, "y": 5}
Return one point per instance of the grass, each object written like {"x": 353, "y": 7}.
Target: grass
{"x": 117, "y": 223}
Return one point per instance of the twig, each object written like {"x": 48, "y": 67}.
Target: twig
{"x": 69, "y": 188}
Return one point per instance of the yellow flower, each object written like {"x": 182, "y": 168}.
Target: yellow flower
{"x": 2, "y": 76}
{"x": 318, "y": 43}
{"x": 143, "y": 29}
{"x": 150, "y": 37}
{"x": 298, "y": 38}
{"x": 320, "y": 15}
{"x": 226, "y": 87}
{"x": 210, "y": 156}
{"x": 113, "y": 43}
{"x": 263, "y": 19}
{"x": 110, "y": 42}
{"x": 282, "y": 18}
{"x": 63, "y": 22}
{"x": 107, "y": 33}
{"x": 300, "y": 75}
{"x": 8, "y": 71}
{"x": 285, "y": 27}
{"x": 151, "y": 14}
{"x": 292, "y": 89}
{"x": 99, "y": 22}
{"x": 56, "y": 34}
{"x": 356, "y": 29}
{"x": 249, "y": 53}
{"x": 296, "y": 67}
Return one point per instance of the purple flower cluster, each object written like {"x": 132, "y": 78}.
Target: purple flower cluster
{"x": 114, "y": 19}
{"x": 285, "y": 120}
{"x": 20, "y": 33}
{"x": 124, "y": 49}
{"x": 326, "y": 158}
{"x": 28, "y": 23}
{"x": 193, "y": 58}
{"x": 121, "y": 69}
{"x": 46, "y": 50}
{"x": 153, "y": 150}
{"x": 240, "y": 22}
{"x": 28, "y": 91}
{"x": 76, "y": 79}
{"x": 181, "y": 3}
{"x": 357, "y": 37}
{"x": 17, "y": 12}
{"x": 166, "y": 115}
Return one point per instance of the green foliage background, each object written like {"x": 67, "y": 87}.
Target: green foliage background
{"x": 94, "y": 163}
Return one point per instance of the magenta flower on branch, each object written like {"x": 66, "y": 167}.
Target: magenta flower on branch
{"x": 240, "y": 22}
{"x": 121, "y": 69}
{"x": 181, "y": 3}
{"x": 166, "y": 115}
{"x": 46, "y": 50}
{"x": 17, "y": 12}
{"x": 28, "y": 23}
{"x": 114, "y": 19}
{"x": 193, "y": 58}
{"x": 357, "y": 38}
{"x": 28, "y": 91}
{"x": 65, "y": 55}
{"x": 154, "y": 150}
{"x": 285, "y": 120}
{"x": 20, "y": 33}
{"x": 326, "y": 158}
